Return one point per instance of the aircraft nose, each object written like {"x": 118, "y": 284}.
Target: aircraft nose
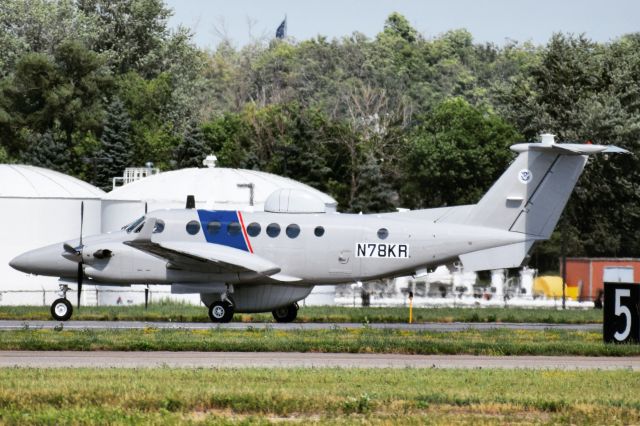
{"x": 45, "y": 261}
{"x": 22, "y": 262}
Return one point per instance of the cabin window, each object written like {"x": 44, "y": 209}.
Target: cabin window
{"x": 159, "y": 227}
{"x": 253, "y": 229}
{"x": 293, "y": 230}
{"x": 233, "y": 228}
{"x": 193, "y": 227}
{"x": 273, "y": 230}
{"x": 319, "y": 231}
{"x": 214, "y": 227}
{"x": 130, "y": 227}
{"x": 383, "y": 233}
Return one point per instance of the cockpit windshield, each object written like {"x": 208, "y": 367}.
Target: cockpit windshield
{"x": 133, "y": 225}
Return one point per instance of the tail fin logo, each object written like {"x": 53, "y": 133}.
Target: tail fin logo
{"x": 525, "y": 176}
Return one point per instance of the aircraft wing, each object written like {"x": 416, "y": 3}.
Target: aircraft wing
{"x": 202, "y": 257}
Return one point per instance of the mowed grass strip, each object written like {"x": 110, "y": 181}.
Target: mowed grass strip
{"x": 177, "y": 312}
{"x": 339, "y": 396}
{"x": 336, "y": 340}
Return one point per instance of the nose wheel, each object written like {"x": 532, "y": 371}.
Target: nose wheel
{"x": 61, "y": 309}
{"x": 286, "y": 313}
{"x": 221, "y": 311}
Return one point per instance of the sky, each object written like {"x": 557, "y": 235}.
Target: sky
{"x": 495, "y": 21}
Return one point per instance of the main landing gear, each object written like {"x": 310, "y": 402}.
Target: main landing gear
{"x": 221, "y": 311}
{"x": 286, "y": 313}
{"x": 61, "y": 309}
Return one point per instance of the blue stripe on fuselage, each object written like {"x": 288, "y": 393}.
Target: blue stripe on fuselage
{"x": 222, "y": 237}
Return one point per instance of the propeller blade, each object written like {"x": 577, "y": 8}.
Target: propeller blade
{"x": 146, "y": 297}
{"x": 80, "y": 278}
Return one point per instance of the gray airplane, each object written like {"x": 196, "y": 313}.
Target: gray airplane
{"x": 267, "y": 261}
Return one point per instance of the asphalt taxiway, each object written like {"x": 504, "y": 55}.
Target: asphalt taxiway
{"x": 442, "y": 327}
{"x": 108, "y": 359}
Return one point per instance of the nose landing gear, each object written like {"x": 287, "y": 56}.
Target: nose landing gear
{"x": 61, "y": 309}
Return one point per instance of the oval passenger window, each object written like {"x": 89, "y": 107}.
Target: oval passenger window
{"x": 273, "y": 230}
{"x": 193, "y": 227}
{"x": 383, "y": 233}
{"x": 159, "y": 227}
{"x": 214, "y": 227}
{"x": 233, "y": 228}
{"x": 253, "y": 229}
{"x": 293, "y": 230}
{"x": 319, "y": 231}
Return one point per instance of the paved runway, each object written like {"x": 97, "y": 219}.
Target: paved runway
{"x": 50, "y": 359}
{"x": 454, "y": 326}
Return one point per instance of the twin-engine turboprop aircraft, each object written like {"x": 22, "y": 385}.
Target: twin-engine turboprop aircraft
{"x": 267, "y": 261}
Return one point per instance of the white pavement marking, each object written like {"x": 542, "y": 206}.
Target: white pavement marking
{"x": 112, "y": 359}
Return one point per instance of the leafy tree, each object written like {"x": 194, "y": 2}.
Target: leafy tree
{"x": 455, "y": 155}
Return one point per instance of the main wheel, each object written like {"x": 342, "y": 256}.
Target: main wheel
{"x": 286, "y": 313}
{"x": 221, "y": 311}
{"x": 61, "y": 309}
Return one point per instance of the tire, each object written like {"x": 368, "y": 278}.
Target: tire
{"x": 286, "y": 313}
{"x": 221, "y": 311}
{"x": 61, "y": 309}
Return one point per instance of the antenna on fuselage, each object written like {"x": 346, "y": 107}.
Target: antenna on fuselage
{"x": 191, "y": 202}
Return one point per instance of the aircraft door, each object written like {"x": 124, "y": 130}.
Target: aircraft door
{"x": 341, "y": 260}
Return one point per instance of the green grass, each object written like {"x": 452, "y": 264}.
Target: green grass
{"x": 328, "y": 396}
{"x": 365, "y": 340}
{"x": 189, "y": 313}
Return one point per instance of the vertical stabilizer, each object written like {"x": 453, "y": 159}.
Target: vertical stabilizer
{"x": 530, "y": 196}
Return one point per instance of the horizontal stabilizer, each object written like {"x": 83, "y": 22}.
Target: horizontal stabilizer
{"x": 568, "y": 148}
{"x": 509, "y": 256}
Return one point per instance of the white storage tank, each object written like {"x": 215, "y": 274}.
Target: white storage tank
{"x": 39, "y": 207}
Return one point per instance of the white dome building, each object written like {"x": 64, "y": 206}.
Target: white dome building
{"x": 39, "y": 207}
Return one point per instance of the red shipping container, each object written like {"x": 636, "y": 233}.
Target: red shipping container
{"x": 590, "y": 273}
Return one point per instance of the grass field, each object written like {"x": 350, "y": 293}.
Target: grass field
{"x": 365, "y": 340}
{"x": 190, "y": 313}
{"x": 328, "y": 396}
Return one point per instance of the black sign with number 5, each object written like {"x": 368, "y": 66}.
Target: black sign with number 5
{"x": 621, "y": 313}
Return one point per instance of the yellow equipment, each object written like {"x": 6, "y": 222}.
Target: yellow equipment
{"x": 551, "y": 286}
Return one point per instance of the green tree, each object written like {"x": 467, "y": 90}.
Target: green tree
{"x": 193, "y": 148}
{"x": 48, "y": 150}
{"x": 116, "y": 147}
{"x": 455, "y": 155}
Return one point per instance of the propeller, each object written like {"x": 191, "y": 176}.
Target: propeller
{"x": 79, "y": 251}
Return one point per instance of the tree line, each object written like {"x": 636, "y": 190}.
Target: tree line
{"x": 89, "y": 87}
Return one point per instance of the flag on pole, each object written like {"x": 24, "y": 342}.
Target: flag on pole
{"x": 281, "y": 32}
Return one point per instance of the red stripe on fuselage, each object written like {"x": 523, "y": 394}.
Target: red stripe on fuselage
{"x": 244, "y": 232}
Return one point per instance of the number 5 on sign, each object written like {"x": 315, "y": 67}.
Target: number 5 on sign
{"x": 621, "y": 313}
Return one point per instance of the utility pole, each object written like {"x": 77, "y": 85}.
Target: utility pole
{"x": 563, "y": 250}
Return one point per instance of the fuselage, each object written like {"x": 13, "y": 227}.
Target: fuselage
{"x": 316, "y": 248}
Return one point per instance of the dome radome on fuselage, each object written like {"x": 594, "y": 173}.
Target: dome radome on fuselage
{"x": 294, "y": 200}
